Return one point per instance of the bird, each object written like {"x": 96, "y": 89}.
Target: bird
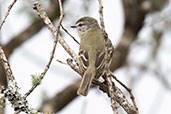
{"x": 91, "y": 60}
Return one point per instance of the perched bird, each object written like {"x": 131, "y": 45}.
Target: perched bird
{"x": 91, "y": 52}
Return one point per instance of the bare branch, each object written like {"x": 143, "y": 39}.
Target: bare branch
{"x": 7, "y": 13}
{"x": 6, "y": 65}
{"x": 69, "y": 34}
{"x": 56, "y": 36}
{"x": 101, "y": 16}
{"x": 112, "y": 92}
{"x": 12, "y": 92}
{"x": 74, "y": 66}
{"x": 107, "y": 57}
{"x": 44, "y": 16}
{"x": 131, "y": 29}
{"x": 128, "y": 89}
{"x": 120, "y": 98}
{"x": 111, "y": 87}
{"x": 60, "y": 39}
{"x": 61, "y": 62}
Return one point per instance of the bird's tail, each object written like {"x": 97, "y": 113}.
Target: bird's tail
{"x": 86, "y": 81}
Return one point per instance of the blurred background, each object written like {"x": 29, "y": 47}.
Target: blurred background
{"x": 140, "y": 31}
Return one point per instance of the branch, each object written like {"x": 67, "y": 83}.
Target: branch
{"x": 44, "y": 16}
{"x": 26, "y": 34}
{"x": 118, "y": 95}
{"x": 7, "y": 13}
{"x": 6, "y": 65}
{"x": 120, "y": 98}
{"x": 53, "y": 31}
{"x": 32, "y": 29}
{"x": 12, "y": 92}
{"x": 101, "y": 17}
{"x": 111, "y": 90}
{"x": 134, "y": 18}
{"x": 128, "y": 89}
{"x": 108, "y": 72}
{"x": 69, "y": 34}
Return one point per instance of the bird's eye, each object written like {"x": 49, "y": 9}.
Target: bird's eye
{"x": 80, "y": 24}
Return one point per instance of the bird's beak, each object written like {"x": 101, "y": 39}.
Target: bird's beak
{"x": 73, "y": 26}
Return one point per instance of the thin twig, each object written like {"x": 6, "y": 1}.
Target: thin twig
{"x": 118, "y": 94}
{"x": 119, "y": 81}
{"x": 120, "y": 98}
{"x": 44, "y": 16}
{"x": 7, "y": 13}
{"x": 69, "y": 34}
{"x": 51, "y": 27}
{"x": 128, "y": 89}
{"x": 74, "y": 66}
{"x": 102, "y": 19}
{"x": 67, "y": 48}
{"x": 61, "y": 62}
{"x": 56, "y": 39}
{"x": 111, "y": 87}
{"x": 76, "y": 69}
{"x": 101, "y": 15}
{"x": 108, "y": 72}
{"x": 12, "y": 92}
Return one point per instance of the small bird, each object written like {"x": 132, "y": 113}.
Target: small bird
{"x": 91, "y": 52}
